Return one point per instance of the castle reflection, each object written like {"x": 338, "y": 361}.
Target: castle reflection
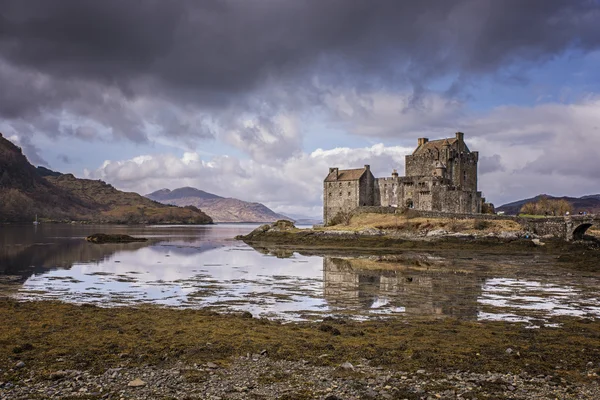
{"x": 389, "y": 286}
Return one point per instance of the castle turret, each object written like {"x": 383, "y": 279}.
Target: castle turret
{"x": 439, "y": 169}
{"x": 394, "y": 173}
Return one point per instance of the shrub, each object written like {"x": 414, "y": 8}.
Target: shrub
{"x": 480, "y": 224}
{"x": 341, "y": 218}
{"x": 453, "y": 226}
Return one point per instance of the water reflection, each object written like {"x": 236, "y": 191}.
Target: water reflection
{"x": 203, "y": 267}
{"x": 400, "y": 288}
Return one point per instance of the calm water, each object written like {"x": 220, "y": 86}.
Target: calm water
{"x": 203, "y": 266}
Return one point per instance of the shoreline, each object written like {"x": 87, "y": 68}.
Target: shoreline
{"x": 71, "y": 351}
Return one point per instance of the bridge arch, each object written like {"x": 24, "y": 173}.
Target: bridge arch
{"x": 580, "y": 230}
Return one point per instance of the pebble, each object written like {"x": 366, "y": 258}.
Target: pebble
{"x": 269, "y": 378}
{"x": 137, "y": 382}
{"x": 347, "y": 366}
{"x": 20, "y": 364}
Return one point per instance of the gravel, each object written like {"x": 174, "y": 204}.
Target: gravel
{"x": 260, "y": 377}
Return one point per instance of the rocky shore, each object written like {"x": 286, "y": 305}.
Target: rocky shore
{"x": 257, "y": 376}
{"x": 418, "y": 236}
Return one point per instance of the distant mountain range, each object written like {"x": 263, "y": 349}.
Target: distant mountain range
{"x": 220, "y": 209}
{"x": 589, "y": 203}
{"x": 27, "y": 192}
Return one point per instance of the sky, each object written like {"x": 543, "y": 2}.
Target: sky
{"x": 257, "y": 99}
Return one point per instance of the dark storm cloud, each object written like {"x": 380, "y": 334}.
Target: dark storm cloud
{"x": 205, "y": 56}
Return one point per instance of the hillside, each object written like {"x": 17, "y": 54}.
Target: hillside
{"x": 27, "y": 191}
{"x": 589, "y": 203}
{"x": 220, "y": 209}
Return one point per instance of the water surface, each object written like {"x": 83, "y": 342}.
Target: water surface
{"x": 202, "y": 266}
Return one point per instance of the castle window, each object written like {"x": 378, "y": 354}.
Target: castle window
{"x": 348, "y": 193}
{"x": 340, "y": 194}
{"x": 349, "y": 183}
{"x": 329, "y": 194}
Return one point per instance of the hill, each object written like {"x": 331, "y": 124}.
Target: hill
{"x": 589, "y": 203}
{"x": 27, "y": 191}
{"x": 220, "y": 209}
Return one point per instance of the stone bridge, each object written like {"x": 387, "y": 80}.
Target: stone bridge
{"x": 571, "y": 227}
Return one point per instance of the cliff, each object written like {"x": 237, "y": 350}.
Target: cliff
{"x": 26, "y": 191}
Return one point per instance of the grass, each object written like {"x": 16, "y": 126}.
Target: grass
{"x": 538, "y": 216}
{"x": 406, "y": 223}
{"x": 50, "y": 336}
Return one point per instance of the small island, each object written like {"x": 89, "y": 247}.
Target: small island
{"x": 101, "y": 238}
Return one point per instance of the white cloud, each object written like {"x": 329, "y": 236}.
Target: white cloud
{"x": 547, "y": 148}
{"x": 292, "y": 185}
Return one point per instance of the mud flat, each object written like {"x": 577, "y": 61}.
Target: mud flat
{"x": 57, "y": 350}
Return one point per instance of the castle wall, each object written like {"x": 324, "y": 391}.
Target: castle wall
{"x": 347, "y": 195}
{"x": 340, "y": 196}
{"x": 440, "y": 176}
{"x": 367, "y": 192}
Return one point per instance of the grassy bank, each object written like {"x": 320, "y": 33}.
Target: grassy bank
{"x": 51, "y": 336}
{"x": 407, "y": 223}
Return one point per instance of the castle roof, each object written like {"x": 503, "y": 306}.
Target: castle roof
{"x": 437, "y": 145}
{"x": 346, "y": 175}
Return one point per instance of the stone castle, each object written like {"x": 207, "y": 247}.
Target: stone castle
{"x": 441, "y": 175}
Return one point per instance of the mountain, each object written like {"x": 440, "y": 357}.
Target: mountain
{"x": 220, "y": 209}
{"x": 181, "y": 193}
{"x": 27, "y": 191}
{"x": 589, "y": 203}
{"x": 306, "y": 220}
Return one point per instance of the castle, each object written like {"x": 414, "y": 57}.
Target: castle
{"x": 441, "y": 175}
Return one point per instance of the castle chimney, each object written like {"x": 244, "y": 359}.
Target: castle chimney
{"x": 422, "y": 141}
{"x": 394, "y": 174}
{"x": 460, "y": 136}
{"x": 367, "y": 167}
{"x": 336, "y": 170}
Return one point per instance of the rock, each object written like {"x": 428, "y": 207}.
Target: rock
{"x": 420, "y": 371}
{"x": 508, "y": 235}
{"x": 509, "y": 351}
{"x": 371, "y": 232}
{"x": 212, "y": 365}
{"x": 347, "y": 366}
{"x": 57, "y": 375}
{"x": 137, "y": 382}
{"x": 538, "y": 242}
{"x": 436, "y": 232}
{"x": 20, "y": 364}
{"x": 113, "y": 238}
